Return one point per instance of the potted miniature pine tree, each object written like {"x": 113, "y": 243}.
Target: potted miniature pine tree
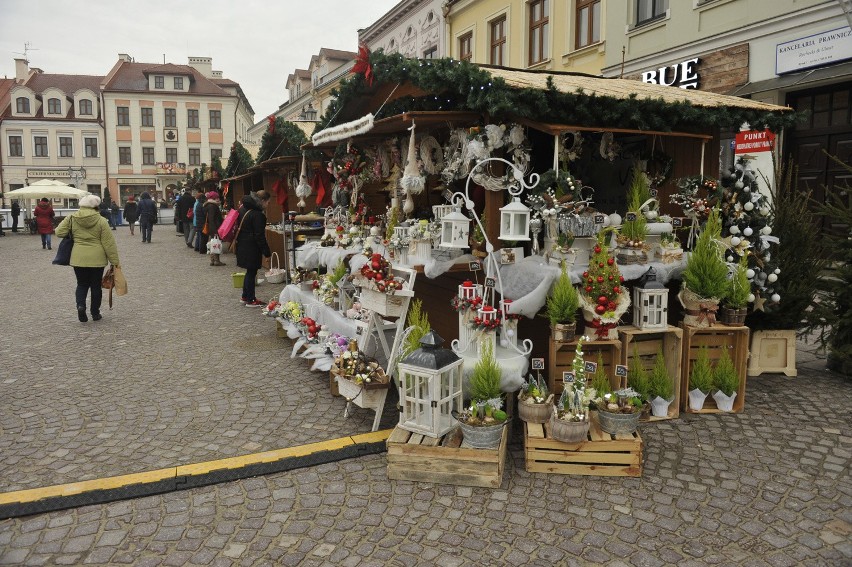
{"x": 726, "y": 381}
{"x": 604, "y": 299}
{"x": 701, "y": 380}
{"x": 562, "y": 306}
{"x": 734, "y": 304}
{"x": 535, "y": 401}
{"x": 632, "y": 246}
{"x": 569, "y": 420}
{"x": 660, "y": 388}
{"x": 482, "y": 422}
{"x": 705, "y": 279}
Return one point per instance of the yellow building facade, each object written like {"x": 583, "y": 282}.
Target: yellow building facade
{"x": 554, "y": 35}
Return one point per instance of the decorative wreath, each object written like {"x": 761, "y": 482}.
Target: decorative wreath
{"x": 432, "y": 155}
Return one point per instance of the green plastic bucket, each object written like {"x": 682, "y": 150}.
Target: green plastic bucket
{"x": 238, "y": 279}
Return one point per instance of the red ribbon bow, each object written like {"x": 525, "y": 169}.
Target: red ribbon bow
{"x": 271, "y": 127}
{"x": 602, "y": 329}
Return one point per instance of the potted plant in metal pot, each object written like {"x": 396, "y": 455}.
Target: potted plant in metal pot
{"x": 619, "y": 412}
{"x": 569, "y": 420}
{"x": 726, "y": 381}
{"x": 483, "y": 421}
{"x": 562, "y": 306}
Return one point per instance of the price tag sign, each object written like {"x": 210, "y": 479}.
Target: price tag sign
{"x": 591, "y": 367}
{"x": 630, "y": 217}
{"x": 677, "y": 222}
{"x": 538, "y": 364}
{"x": 620, "y": 370}
{"x": 568, "y": 377}
{"x": 448, "y": 195}
{"x": 474, "y": 266}
{"x": 600, "y": 219}
{"x": 490, "y": 282}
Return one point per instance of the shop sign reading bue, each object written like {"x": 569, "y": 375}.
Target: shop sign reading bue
{"x": 683, "y": 75}
{"x": 813, "y": 51}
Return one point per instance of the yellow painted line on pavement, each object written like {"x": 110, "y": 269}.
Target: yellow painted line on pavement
{"x": 112, "y": 482}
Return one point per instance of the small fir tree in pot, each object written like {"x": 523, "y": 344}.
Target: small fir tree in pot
{"x": 736, "y": 298}
{"x": 660, "y": 388}
{"x": 632, "y": 248}
{"x": 726, "y": 381}
{"x": 562, "y": 306}
{"x": 603, "y": 299}
{"x": 482, "y": 422}
{"x": 705, "y": 279}
{"x": 701, "y": 380}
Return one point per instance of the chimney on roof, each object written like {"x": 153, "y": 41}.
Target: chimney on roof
{"x": 217, "y": 74}
{"x": 22, "y": 70}
{"x": 203, "y": 65}
{"x": 125, "y": 57}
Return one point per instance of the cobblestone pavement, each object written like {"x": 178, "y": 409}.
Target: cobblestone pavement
{"x": 770, "y": 486}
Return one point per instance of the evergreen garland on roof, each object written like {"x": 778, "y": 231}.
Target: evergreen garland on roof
{"x": 460, "y": 85}
{"x": 239, "y": 161}
{"x": 285, "y": 140}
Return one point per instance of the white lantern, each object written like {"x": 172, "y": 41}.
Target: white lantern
{"x": 455, "y": 229}
{"x": 515, "y": 221}
{"x": 650, "y": 302}
{"x": 440, "y": 211}
{"x": 430, "y": 388}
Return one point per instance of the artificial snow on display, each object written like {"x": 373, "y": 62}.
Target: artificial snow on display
{"x": 344, "y": 131}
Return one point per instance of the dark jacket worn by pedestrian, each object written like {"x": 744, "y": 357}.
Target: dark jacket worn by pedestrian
{"x": 184, "y": 204}
{"x": 147, "y": 208}
{"x": 212, "y": 216}
{"x": 131, "y": 211}
{"x": 251, "y": 245}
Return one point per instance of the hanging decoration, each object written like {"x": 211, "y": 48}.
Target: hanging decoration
{"x": 412, "y": 183}
{"x": 344, "y": 131}
{"x": 432, "y": 155}
{"x": 575, "y": 150}
{"x": 609, "y": 149}
{"x": 479, "y": 144}
{"x": 303, "y": 189}
{"x": 362, "y": 64}
{"x": 271, "y": 126}
{"x": 693, "y": 197}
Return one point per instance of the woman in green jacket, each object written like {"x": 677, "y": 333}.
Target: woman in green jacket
{"x": 94, "y": 247}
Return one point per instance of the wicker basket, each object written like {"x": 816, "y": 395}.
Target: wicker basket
{"x": 733, "y": 317}
{"x": 275, "y": 274}
{"x": 568, "y": 431}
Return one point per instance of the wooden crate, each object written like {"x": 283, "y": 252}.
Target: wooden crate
{"x": 601, "y": 455}
{"x": 415, "y": 457}
{"x": 561, "y": 356}
{"x": 647, "y": 343}
{"x": 773, "y": 351}
{"x": 715, "y": 338}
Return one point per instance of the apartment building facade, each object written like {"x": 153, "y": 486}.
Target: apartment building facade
{"x": 414, "y": 28}
{"x": 165, "y": 120}
{"x": 553, "y": 35}
{"x": 51, "y": 128}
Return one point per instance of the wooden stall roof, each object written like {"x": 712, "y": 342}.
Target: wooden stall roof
{"x": 556, "y": 129}
{"x": 624, "y": 89}
{"x": 280, "y": 161}
{"x": 241, "y": 176}
{"x": 401, "y": 122}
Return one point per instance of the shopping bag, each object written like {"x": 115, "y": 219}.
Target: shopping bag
{"x": 215, "y": 245}
{"x": 120, "y": 282}
{"x": 228, "y": 228}
{"x": 63, "y": 251}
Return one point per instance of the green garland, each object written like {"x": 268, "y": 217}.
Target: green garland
{"x": 238, "y": 161}
{"x": 285, "y": 141}
{"x": 460, "y": 85}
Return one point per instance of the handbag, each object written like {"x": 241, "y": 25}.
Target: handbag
{"x": 232, "y": 245}
{"x": 215, "y": 245}
{"x": 227, "y": 230}
{"x": 206, "y": 230}
{"x": 189, "y": 213}
{"x": 63, "y": 251}
{"x": 108, "y": 282}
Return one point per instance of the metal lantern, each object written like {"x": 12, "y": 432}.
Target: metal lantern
{"x": 514, "y": 221}
{"x": 430, "y": 388}
{"x": 455, "y": 229}
{"x": 650, "y": 302}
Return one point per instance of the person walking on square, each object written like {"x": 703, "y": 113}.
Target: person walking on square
{"x": 115, "y": 214}
{"x": 94, "y": 247}
{"x": 147, "y": 215}
{"x": 182, "y": 206}
{"x": 44, "y": 221}
{"x": 198, "y": 222}
{"x": 131, "y": 213}
{"x": 213, "y": 219}
{"x": 16, "y": 212}
{"x": 251, "y": 244}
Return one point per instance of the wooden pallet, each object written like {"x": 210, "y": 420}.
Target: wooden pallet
{"x": 647, "y": 343}
{"x": 716, "y": 339}
{"x": 415, "y": 457}
{"x": 561, "y": 356}
{"x": 601, "y": 455}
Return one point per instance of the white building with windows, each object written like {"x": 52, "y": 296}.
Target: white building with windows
{"x": 165, "y": 120}
{"x": 414, "y": 28}
{"x": 51, "y": 128}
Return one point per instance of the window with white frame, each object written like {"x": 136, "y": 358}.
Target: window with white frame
{"x": 85, "y": 107}
{"x": 91, "y": 147}
{"x": 16, "y": 146}
{"x": 650, "y": 10}
{"x": 22, "y": 105}
{"x": 66, "y": 146}
{"x": 54, "y": 106}
{"x": 498, "y": 41}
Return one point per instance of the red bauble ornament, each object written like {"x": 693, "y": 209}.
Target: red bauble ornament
{"x": 611, "y": 306}
{"x": 616, "y": 289}
{"x": 585, "y": 274}
{"x": 600, "y": 309}
{"x": 597, "y": 249}
{"x": 610, "y": 261}
{"x": 621, "y": 279}
{"x": 600, "y": 279}
{"x": 379, "y": 277}
{"x": 589, "y": 279}
{"x": 588, "y": 289}
{"x": 611, "y": 277}
{"x": 600, "y": 264}
{"x": 602, "y": 300}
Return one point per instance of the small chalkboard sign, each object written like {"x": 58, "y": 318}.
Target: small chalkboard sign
{"x": 490, "y": 282}
{"x": 448, "y": 195}
{"x": 600, "y": 219}
{"x": 568, "y": 377}
{"x": 677, "y": 222}
{"x": 620, "y": 370}
{"x": 654, "y": 193}
{"x": 630, "y": 217}
{"x": 537, "y": 364}
{"x": 474, "y": 266}
{"x": 591, "y": 367}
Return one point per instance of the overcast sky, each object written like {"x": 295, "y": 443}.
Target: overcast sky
{"x": 255, "y": 43}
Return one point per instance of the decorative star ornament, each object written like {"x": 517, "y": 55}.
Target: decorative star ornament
{"x": 758, "y": 303}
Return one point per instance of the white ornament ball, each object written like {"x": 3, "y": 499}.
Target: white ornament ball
{"x": 735, "y": 241}
{"x": 775, "y": 298}
{"x": 746, "y": 189}
{"x": 606, "y": 221}
{"x": 763, "y": 211}
{"x": 751, "y": 297}
{"x": 734, "y": 229}
{"x": 374, "y": 231}
{"x": 738, "y": 185}
{"x": 772, "y": 278}
{"x": 615, "y": 219}
{"x": 749, "y": 273}
{"x": 353, "y": 230}
{"x": 504, "y": 343}
{"x": 510, "y": 333}
{"x": 748, "y": 231}
{"x": 651, "y": 215}
{"x": 730, "y": 258}
{"x": 766, "y": 230}
{"x": 749, "y": 206}
{"x": 777, "y": 270}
